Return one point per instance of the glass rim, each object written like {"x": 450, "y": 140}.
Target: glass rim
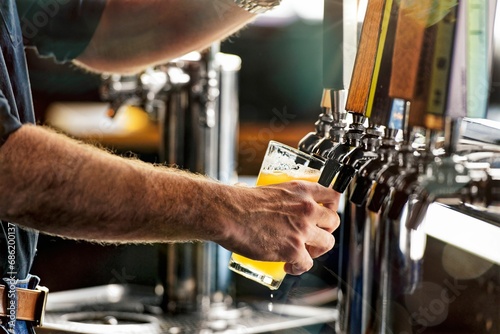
{"x": 295, "y": 151}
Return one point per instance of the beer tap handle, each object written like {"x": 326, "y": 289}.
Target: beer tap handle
{"x": 410, "y": 47}
{"x": 456, "y": 104}
{"x": 373, "y": 43}
{"x": 479, "y": 18}
{"x": 378, "y": 67}
{"x": 379, "y": 104}
{"x": 380, "y": 108}
{"x": 441, "y": 64}
{"x": 409, "y": 40}
{"x": 359, "y": 87}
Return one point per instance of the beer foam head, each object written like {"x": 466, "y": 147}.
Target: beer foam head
{"x": 286, "y": 162}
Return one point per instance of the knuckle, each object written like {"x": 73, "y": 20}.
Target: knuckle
{"x": 299, "y": 186}
{"x": 296, "y": 243}
{"x": 307, "y": 207}
{"x": 293, "y": 251}
{"x": 301, "y": 226}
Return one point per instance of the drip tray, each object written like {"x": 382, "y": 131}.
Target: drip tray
{"x": 102, "y": 322}
{"x": 251, "y": 318}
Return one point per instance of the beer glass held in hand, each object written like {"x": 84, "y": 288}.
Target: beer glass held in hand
{"x": 281, "y": 163}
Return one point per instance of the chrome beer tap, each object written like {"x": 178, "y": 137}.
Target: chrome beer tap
{"x": 322, "y": 127}
{"x": 367, "y": 173}
{"x": 119, "y": 90}
{"x": 145, "y": 89}
{"x": 352, "y": 161}
{"x": 334, "y": 101}
{"x": 385, "y": 179}
{"x": 352, "y": 139}
{"x": 444, "y": 177}
{"x": 347, "y": 292}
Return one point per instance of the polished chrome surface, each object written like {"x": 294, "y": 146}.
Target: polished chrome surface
{"x": 194, "y": 101}
{"x": 330, "y": 126}
{"x": 200, "y": 126}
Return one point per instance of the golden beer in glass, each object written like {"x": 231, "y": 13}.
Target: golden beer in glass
{"x": 281, "y": 163}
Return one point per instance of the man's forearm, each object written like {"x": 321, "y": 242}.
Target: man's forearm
{"x": 134, "y": 34}
{"x": 59, "y": 186}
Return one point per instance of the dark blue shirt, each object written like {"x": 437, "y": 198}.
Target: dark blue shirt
{"x": 58, "y": 28}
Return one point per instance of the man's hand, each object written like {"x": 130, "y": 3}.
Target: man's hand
{"x": 291, "y": 222}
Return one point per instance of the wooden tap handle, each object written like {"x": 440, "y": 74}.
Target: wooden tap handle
{"x": 411, "y": 46}
{"x": 379, "y": 107}
{"x": 365, "y": 58}
{"x": 412, "y": 23}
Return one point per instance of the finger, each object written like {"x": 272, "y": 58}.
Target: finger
{"x": 325, "y": 195}
{"x": 330, "y": 220}
{"x": 301, "y": 266}
{"x": 321, "y": 242}
{"x": 331, "y": 206}
{"x": 317, "y": 251}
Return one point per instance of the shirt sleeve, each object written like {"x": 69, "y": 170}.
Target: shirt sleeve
{"x": 59, "y": 28}
{"x": 8, "y": 123}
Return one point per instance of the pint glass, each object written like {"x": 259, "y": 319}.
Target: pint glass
{"x": 281, "y": 163}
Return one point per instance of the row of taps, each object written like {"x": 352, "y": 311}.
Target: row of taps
{"x": 389, "y": 178}
{"x": 384, "y": 168}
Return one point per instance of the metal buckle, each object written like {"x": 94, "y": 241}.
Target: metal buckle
{"x": 41, "y": 303}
